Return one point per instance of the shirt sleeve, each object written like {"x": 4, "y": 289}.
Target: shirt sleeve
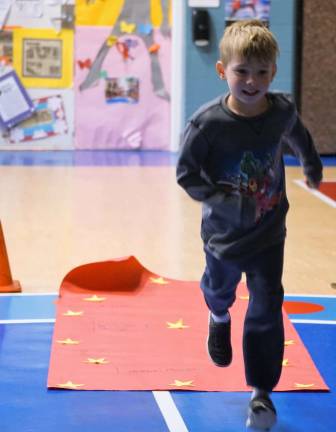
{"x": 189, "y": 172}
{"x": 301, "y": 142}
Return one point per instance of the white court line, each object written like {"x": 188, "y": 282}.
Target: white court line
{"x": 27, "y": 294}
{"x": 28, "y": 321}
{"x": 169, "y": 411}
{"x": 308, "y": 321}
{"x": 315, "y": 192}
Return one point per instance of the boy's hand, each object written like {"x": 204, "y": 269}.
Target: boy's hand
{"x": 312, "y": 184}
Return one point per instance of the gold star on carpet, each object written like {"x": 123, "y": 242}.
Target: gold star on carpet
{"x": 70, "y": 385}
{"x": 289, "y": 342}
{"x": 285, "y": 362}
{"x": 72, "y": 313}
{"x": 303, "y": 386}
{"x": 68, "y": 341}
{"x": 159, "y": 280}
{"x": 244, "y": 297}
{"x": 177, "y": 325}
{"x": 178, "y": 383}
{"x": 96, "y": 361}
{"x": 94, "y": 298}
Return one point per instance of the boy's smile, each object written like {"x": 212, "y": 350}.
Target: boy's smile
{"x": 248, "y": 81}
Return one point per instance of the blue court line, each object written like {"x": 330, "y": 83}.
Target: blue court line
{"x": 27, "y": 307}
{"x": 294, "y": 161}
{"x": 42, "y": 306}
{"x": 26, "y": 405}
{"x": 88, "y": 158}
{"x": 107, "y": 158}
{"x": 297, "y": 411}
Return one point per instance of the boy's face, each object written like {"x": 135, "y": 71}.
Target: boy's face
{"x": 248, "y": 80}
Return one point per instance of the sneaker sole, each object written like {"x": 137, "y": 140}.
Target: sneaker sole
{"x": 261, "y": 421}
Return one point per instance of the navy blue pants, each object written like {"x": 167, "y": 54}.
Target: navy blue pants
{"x": 263, "y": 336}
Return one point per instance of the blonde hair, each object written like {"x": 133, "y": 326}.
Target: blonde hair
{"x": 248, "y": 39}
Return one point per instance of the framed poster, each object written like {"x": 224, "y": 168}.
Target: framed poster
{"x": 15, "y": 104}
{"x": 47, "y": 121}
{"x": 43, "y": 58}
{"x": 236, "y": 10}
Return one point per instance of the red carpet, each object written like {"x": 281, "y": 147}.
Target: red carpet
{"x": 328, "y": 188}
{"x": 121, "y": 327}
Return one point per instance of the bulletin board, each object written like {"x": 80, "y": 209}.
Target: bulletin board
{"x": 123, "y": 108}
{"x": 110, "y": 92}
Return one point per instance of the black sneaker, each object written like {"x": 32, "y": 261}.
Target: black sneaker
{"x": 261, "y": 413}
{"x": 219, "y": 342}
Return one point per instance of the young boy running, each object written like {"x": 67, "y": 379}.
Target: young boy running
{"x": 231, "y": 160}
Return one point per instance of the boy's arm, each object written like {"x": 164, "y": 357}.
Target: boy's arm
{"x": 301, "y": 142}
{"x": 189, "y": 171}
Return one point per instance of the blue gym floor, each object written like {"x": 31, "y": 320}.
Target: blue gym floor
{"x": 26, "y": 326}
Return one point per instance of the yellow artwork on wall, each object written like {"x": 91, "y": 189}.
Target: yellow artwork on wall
{"x": 156, "y": 13}
{"x": 106, "y": 12}
{"x": 98, "y": 12}
{"x": 43, "y": 57}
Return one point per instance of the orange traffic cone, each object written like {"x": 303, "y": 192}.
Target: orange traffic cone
{"x": 6, "y": 282}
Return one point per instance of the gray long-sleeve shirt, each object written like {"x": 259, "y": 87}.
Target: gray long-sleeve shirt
{"x": 234, "y": 165}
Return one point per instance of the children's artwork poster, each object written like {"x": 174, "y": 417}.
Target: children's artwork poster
{"x": 15, "y": 103}
{"x": 53, "y": 14}
{"x": 236, "y": 10}
{"x": 122, "y": 90}
{"x": 41, "y": 57}
{"x": 126, "y": 98}
{"x": 55, "y": 139}
{"x": 6, "y": 47}
{"x": 47, "y": 121}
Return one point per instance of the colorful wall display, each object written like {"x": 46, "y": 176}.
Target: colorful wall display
{"x": 122, "y": 74}
{"x": 123, "y": 106}
{"x": 236, "y": 10}
{"x": 114, "y": 89}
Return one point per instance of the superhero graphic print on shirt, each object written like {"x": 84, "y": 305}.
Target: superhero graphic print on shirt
{"x": 254, "y": 179}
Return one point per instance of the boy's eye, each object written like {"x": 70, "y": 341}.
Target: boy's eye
{"x": 263, "y": 72}
{"x": 241, "y": 71}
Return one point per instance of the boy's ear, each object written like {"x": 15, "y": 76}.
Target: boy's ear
{"x": 220, "y": 69}
{"x": 274, "y": 70}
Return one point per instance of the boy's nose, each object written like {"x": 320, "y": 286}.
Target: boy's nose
{"x": 250, "y": 79}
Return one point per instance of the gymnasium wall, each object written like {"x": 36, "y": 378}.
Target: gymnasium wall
{"x": 318, "y": 90}
{"x": 202, "y": 83}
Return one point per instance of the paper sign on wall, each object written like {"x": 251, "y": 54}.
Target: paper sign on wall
{"x": 30, "y": 8}
{"x": 42, "y": 58}
{"x": 204, "y": 3}
{"x": 15, "y": 104}
{"x": 5, "y": 6}
{"x": 241, "y": 10}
